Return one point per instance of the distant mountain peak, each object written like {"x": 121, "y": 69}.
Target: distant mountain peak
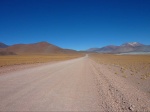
{"x": 2, "y": 45}
{"x": 43, "y": 42}
{"x": 133, "y": 44}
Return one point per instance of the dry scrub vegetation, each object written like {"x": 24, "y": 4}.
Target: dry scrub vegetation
{"x": 125, "y": 64}
{"x": 31, "y": 59}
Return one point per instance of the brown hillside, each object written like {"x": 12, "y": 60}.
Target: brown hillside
{"x": 3, "y": 53}
{"x": 36, "y": 48}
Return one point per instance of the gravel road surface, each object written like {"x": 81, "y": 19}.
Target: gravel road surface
{"x": 73, "y": 85}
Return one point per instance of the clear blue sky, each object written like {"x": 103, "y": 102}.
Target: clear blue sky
{"x": 75, "y": 24}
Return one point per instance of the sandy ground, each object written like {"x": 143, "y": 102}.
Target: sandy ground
{"x": 73, "y": 85}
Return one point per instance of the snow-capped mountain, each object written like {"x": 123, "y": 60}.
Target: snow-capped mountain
{"x": 134, "y": 44}
{"x": 124, "y": 48}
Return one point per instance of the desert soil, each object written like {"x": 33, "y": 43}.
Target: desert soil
{"x": 73, "y": 85}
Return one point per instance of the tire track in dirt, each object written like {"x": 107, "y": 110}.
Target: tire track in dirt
{"x": 114, "y": 100}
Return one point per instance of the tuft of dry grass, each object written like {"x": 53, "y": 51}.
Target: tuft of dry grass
{"x": 116, "y": 73}
{"x": 31, "y": 59}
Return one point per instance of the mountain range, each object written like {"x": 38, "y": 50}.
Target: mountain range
{"x": 35, "y": 48}
{"x": 124, "y": 48}
{"x": 47, "y": 48}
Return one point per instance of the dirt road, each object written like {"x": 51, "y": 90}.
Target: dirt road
{"x": 74, "y": 85}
